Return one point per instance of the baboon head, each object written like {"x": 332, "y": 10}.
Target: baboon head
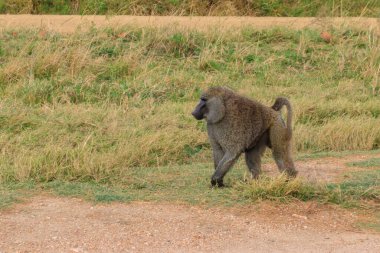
{"x": 211, "y": 105}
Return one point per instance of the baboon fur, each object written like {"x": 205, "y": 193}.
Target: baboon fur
{"x": 236, "y": 125}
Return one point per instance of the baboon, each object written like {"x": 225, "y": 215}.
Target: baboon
{"x": 236, "y": 124}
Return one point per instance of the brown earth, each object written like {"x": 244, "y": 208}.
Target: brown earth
{"x": 50, "y": 224}
{"x": 71, "y": 23}
{"x": 46, "y": 223}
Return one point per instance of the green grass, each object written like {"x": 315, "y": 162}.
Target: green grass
{"x": 373, "y": 224}
{"x": 360, "y": 185}
{"x": 190, "y": 184}
{"x": 197, "y": 7}
{"x": 15, "y": 192}
{"x": 323, "y": 154}
{"x": 370, "y": 225}
{"x": 374, "y": 162}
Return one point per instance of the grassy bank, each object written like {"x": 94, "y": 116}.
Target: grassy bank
{"x": 190, "y": 184}
{"x": 370, "y": 8}
{"x": 88, "y": 106}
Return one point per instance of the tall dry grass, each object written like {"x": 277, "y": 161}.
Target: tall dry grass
{"x": 91, "y": 104}
{"x": 196, "y": 7}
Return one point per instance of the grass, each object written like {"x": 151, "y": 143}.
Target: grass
{"x": 105, "y": 114}
{"x": 372, "y": 225}
{"x": 370, "y": 182}
{"x": 323, "y": 154}
{"x": 190, "y": 184}
{"x": 195, "y": 189}
{"x": 351, "y": 192}
{"x": 197, "y": 7}
{"x": 374, "y": 162}
{"x": 366, "y": 181}
{"x": 91, "y": 105}
{"x": 15, "y": 192}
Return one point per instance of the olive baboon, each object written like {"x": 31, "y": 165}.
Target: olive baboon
{"x": 236, "y": 124}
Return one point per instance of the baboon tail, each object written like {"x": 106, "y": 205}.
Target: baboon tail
{"x": 278, "y": 104}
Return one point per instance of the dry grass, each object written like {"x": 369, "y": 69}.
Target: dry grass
{"x": 361, "y": 186}
{"x": 89, "y": 105}
{"x": 195, "y": 7}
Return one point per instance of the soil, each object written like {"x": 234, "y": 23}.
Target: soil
{"x": 50, "y": 224}
{"x": 70, "y": 23}
{"x": 47, "y": 223}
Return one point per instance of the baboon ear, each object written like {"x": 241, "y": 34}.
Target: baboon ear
{"x": 216, "y": 110}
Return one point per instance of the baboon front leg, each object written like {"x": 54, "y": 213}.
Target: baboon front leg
{"x": 224, "y": 166}
{"x": 253, "y": 160}
{"x": 217, "y": 153}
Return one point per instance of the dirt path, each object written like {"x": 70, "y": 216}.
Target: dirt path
{"x": 50, "y": 224}
{"x": 68, "y": 24}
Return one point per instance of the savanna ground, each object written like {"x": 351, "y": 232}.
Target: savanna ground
{"x": 103, "y": 114}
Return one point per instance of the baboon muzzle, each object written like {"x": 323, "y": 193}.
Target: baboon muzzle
{"x": 198, "y": 111}
{"x": 197, "y": 115}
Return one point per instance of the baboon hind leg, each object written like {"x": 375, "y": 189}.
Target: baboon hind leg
{"x": 253, "y": 156}
{"x": 281, "y": 150}
{"x": 289, "y": 164}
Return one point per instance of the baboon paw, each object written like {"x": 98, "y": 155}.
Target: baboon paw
{"x": 221, "y": 184}
{"x": 292, "y": 174}
{"x": 217, "y": 182}
{"x": 255, "y": 176}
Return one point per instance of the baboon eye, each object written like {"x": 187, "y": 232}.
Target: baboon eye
{"x": 204, "y": 99}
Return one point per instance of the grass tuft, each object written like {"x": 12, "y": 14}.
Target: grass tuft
{"x": 279, "y": 188}
{"x": 360, "y": 187}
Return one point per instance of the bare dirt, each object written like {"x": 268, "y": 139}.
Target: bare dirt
{"x": 71, "y": 23}
{"x": 50, "y": 224}
{"x": 46, "y": 223}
